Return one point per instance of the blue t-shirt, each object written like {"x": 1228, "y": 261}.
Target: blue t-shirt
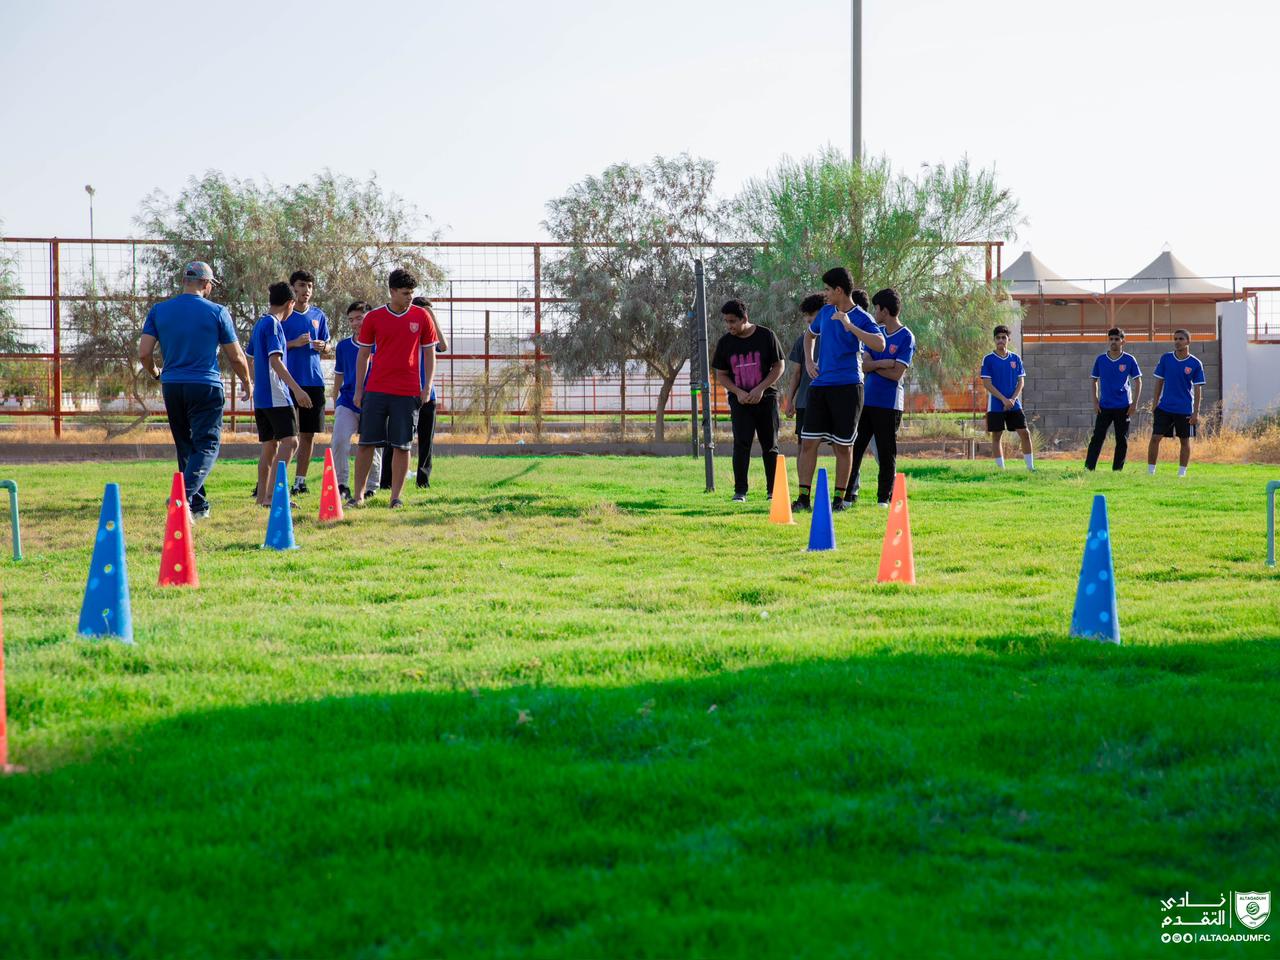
{"x": 269, "y": 389}
{"x": 422, "y": 373}
{"x": 881, "y": 391}
{"x": 839, "y": 351}
{"x": 345, "y": 356}
{"x": 190, "y": 330}
{"x": 1179, "y": 377}
{"x": 303, "y": 362}
{"x": 1113, "y": 378}
{"x": 1004, "y": 374}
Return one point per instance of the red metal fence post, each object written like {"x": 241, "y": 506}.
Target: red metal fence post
{"x": 537, "y": 341}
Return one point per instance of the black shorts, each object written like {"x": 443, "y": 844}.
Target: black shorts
{"x": 1168, "y": 424}
{"x": 275, "y": 423}
{"x": 831, "y": 413}
{"x": 389, "y": 420}
{"x": 799, "y": 420}
{"x": 312, "y": 421}
{"x": 999, "y": 421}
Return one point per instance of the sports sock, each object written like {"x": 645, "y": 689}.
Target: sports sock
{"x": 1151, "y": 469}
{"x": 1030, "y": 460}
{"x": 999, "y": 463}
{"x": 1182, "y": 471}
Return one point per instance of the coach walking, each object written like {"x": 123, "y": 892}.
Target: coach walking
{"x": 190, "y": 330}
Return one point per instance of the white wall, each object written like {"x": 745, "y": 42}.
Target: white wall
{"x": 1264, "y": 378}
{"x": 1250, "y": 371}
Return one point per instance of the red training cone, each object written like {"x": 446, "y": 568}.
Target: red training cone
{"x": 4, "y": 730}
{"x": 897, "y": 562}
{"x": 330, "y": 499}
{"x": 178, "y": 555}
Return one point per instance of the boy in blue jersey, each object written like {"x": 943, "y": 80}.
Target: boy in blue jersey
{"x": 346, "y": 415}
{"x": 840, "y": 329}
{"x": 1003, "y": 377}
{"x": 272, "y": 386}
{"x": 883, "y": 398}
{"x": 1117, "y": 386}
{"x": 1176, "y": 409}
{"x": 307, "y": 336}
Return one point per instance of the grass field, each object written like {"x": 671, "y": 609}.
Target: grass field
{"x": 543, "y": 712}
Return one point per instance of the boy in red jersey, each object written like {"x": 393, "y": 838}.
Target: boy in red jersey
{"x": 396, "y": 388}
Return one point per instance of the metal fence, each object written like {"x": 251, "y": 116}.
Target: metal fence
{"x": 491, "y": 306}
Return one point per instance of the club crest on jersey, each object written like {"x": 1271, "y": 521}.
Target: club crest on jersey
{"x": 413, "y": 327}
{"x": 1187, "y": 371}
{"x": 1122, "y": 368}
{"x": 893, "y": 348}
{"x": 1013, "y": 364}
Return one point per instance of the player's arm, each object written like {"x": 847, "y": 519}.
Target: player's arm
{"x": 429, "y": 368}
{"x": 1097, "y": 394}
{"x": 874, "y": 341}
{"x": 810, "y": 360}
{"x": 301, "y": 340}
{"x": 793, "y": 387}
{"x": 772, "y": 377}
{"x": 1197, "y": 391}
{"x": 1136, "y": 385}
{"x": 362, "y": 370}
{"x": 147, "y": 354}
{"x": 237, "y": 361}
{"x": 990, "y": 388}
{"x": 337, "y": 382}
{"x": 301, "y": 396}
{"x": 1017, "y": 391}
{"x": 1155, "y": 400}
{"x": 895, "y": 371}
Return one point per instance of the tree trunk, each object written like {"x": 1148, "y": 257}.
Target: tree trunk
{"x": 659, "y": 419}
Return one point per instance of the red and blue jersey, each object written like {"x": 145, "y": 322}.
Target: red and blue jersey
{"x": 1004, "y": 374}
{"x": 1179, "y": 377}
{"x": 1113, "y": 378}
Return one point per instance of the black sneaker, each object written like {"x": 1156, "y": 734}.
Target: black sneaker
{"x": 424, "y": 481}
{"x": 255, "y": 491}
{"x": 850, "y": 500}
{"x": 397, "y": 503}
{"x": 368, "y": 494}
{"x": 739, "y": 498}
{"x": 838, "y": 505}
{"x": 300, "y": 485}
{"x": 800, "y": 505}
{"x": 343, "y": 492}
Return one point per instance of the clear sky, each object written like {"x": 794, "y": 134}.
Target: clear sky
{"x": 1119, "y": 125}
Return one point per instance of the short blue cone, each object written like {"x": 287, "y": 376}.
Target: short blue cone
{"x": 106, "y": 612}
{"x": 822, "y": 528}
{"x": 280, "y": 523}
{"x": 1095, "y": 616}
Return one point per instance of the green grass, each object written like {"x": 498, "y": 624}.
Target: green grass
{"x": 541, "y": 712}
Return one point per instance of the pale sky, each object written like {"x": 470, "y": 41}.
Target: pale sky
{"x": 1120, "y": 125}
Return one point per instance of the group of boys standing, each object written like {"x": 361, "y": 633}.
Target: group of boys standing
{"x": 846, "y": 390}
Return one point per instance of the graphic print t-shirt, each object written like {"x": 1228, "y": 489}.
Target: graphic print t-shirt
{"x": 749, "y": 359}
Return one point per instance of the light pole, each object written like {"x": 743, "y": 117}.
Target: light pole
{"x": 856, "y": 17}
{"x": 93, "y": 261}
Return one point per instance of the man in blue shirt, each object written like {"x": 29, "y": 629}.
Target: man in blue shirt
{"x": 190, "y": 329}
{"x": 883, "y": 399}
{"x": 841, "y": 329}
{"x": 1003, "y": 377}
{"x": 1114, "y": 400}
{"x": 307, "y": 337}
{"x": 274, "y": 390}
{"x": 346, "y": 415}
{"x": 1176, "y": 410}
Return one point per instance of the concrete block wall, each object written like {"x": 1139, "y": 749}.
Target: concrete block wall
{"x": 1058, "y": 392}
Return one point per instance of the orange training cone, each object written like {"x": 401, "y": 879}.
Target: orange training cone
{"x": 897, "y": 563}
{"x": 780, "y": 508}
{"x": 330, "y": 501}
{"x": 178, "y": 555}
{"x": 4, "y": 730}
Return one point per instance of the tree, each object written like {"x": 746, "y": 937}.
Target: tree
{"x": 104, "y": 330}
{"x": 350, "y": 234}
{"x": 890, "y": 231}
{"x": 10, "y": 287}
{"x": 627, "y": 277}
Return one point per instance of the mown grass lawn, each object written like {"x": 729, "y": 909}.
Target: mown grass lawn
{"x": 543, "y": 712}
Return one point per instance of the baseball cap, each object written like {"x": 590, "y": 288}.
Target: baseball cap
{"x": 199, "y": 270}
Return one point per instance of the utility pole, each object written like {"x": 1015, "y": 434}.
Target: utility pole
{"x": 93, "y": 260}
{"x": 702, "y": 362}
{"x": 856, "y": 16}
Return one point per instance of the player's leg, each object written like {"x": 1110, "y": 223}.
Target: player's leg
{"x": 1100, "y": 423}
{"x": 373, "y": 434}
{"x": 345, "y": 423}
{"x": 401, "y": 426}
{"x": 860, "y": 444}
{"x": 310, "y": 422}
{"x": 1028, "y": 457}
{"x": 1159, "y": 426}
{"x": 426, "y": 438}
{"x": 767, "y": 427}
{"x": 1184, "y": 446}
{"x": 265, "y": 461}
{"x": 886, "y": 434}
{"x": 742, "y": 421}
{"x": 1121, "y": 420}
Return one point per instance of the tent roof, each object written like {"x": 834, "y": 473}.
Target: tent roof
{"x": 1028, "y": 276}
{"x": 1166, "y": 274}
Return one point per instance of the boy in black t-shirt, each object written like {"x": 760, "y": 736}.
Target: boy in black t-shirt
{"x": 747, "y": 363}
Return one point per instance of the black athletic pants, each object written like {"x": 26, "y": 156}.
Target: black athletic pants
{"x": 426, "y": 436}
{"x": 1104, "y": 420}
{"x": 881, "y": 423}
{"x": 751, "y": 420}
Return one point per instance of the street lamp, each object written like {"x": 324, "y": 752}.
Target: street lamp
{"x": 93, "y": 264}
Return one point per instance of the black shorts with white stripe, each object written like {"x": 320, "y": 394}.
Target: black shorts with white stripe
{"x": 831, "y": 414}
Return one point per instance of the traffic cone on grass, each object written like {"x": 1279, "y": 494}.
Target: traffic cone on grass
{"x": 780, "y": 507}
{"x": 1095, "y": 616}
{"x": 5, "y": 766}
{"x": 822, "y": 528}
{"x": 106, "y": 611}
{"x": 280, "y": 520}
{"x": 330, "y": 501}
{"x": 178, "y": 555}
{"x": 897, "y": 562}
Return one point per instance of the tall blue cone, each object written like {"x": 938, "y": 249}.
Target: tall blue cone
{"x": 1095, "y": 616}
{"x": 822, "y": 528}
{"x": 280, "y": 523}
{"x": 105, "y": 611}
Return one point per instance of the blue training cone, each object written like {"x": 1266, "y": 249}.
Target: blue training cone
{"x": 822, "y": 528}
{"x": 105, "y": 611}
{"x": 1095, "y": 616}
{"x": 280, "y": 522}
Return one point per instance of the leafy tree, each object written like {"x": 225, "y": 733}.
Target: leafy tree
{"x": 627, "y": 277}
{"x": 104, "y": 331}
{"x": 10, "y": 287}
{"x": 350, "y": 234}
{"x": 889, "y": 230}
